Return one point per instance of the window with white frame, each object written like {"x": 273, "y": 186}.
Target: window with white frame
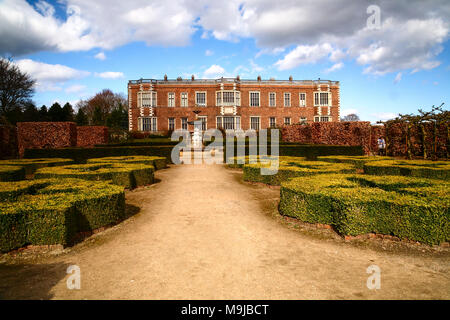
{"x": 204, "y": 121}
{"x": 287, "y": 99}
{"x": 184, "y": 123}
{"x": 302, "y": 97}
{"x": 303, "y": 120}
{"x": 287, "y": 121}
{"x": 272, "y": 99}
{"x": 254, "y": 99}
{"x": 272, "y": 122}
{"x": 184, "y": 99}
{"x": 147, "y": 124}
{"x": 171, "y": 99}
{"x": 218, "y": 98}
{"x": 219, "y": 123}
{"x": 228, "y": 123}
{"x": 322, "y": 119}
{"x": 145, "y": 99}
{"x": 171, "y": 123}
{"x": 254, "y": 123}
{"x": 322, "y": 98}
{"x": 200, "y": 98}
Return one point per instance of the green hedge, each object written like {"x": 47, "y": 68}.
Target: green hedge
{"x": 413, "y": 168}
{"x": 31, "y": 165}
{"x": 157, "y": 162}
{"x": 294, "y": 167}
{"x": 80, "y": 155}
{"x": 409, "y": 208}
{"x": 357, "y": 161}
{"x": 52, "y": 211}
{"x": 129, "y": 175}
{"x": 239, "y": 162}
{"x": 311, "y": 152}
{"x": 11, "y": 173}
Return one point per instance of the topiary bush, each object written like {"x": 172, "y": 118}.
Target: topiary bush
{"x": 413, "y": 168}
{"x": 157, "y": 162}
{"x": 409, "y": 208}
{"x": 31, "y": 165}
{"x": 357, "y": 161}
{"x": 293, "y": 167}
{"x": 11, "y": 173}
{"x": 52, "y": 211}
{"x": 129, "y": 175}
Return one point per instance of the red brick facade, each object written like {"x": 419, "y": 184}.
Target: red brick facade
{"x": 146, "y": 114}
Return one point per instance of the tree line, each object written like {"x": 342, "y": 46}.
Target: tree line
{"x": 105, "y": 108}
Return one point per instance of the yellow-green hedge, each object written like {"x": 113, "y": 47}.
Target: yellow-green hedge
{"x": 357, "y": 161}
{"x": 239, "y": 162}
{"x": 52, "y": 211}
{"x": 129, "y": 175}
{"x": 409, "y": 208}
{"x": 294, "y": 167}
{"x": 413, "y": 168}
{"x": 157, "y": 162}
{"x": 31, "y": 165}
{"x": 11, "y": 173}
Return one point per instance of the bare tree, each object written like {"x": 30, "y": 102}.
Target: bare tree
{"x": 102, "y": 104}
{"x": 350, "y": 117}
{"x": 16, "y": 87}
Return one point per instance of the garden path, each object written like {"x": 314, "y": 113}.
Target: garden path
{"x": 202, "y": 233}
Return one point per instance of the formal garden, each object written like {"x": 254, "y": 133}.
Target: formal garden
{"x": 48, "y": 201}
{"x": 357, "y": 195}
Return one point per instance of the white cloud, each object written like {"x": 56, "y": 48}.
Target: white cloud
{"x": 209, "y": 53}
{"x": 398, "y": 77}
{"x": 411, "y": 36}
{"x": 214, "y": 71}
{"x": 335, "y": 67}
{"x": 110, "y": 75}
{"x": 49, "y": 77}
{"x": 304, "y": 55}
{"x": 100, "y": 56}
{"x": 75, "y": 88}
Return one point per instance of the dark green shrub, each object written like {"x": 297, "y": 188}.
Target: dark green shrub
{"x": 413, "y": 168}
{"x": 52, "y": 211}
{"x": 129, "y": 175}
{"x": 157, "y": 162}
{"x": 11, "y": 173}
{"x": 31, "y": 165}
{"x": 357, "y": 161}
{"x": 409, "y": 208}
{"x": 294, "y": 167}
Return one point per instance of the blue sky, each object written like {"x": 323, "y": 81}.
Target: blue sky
{"x": 75, "y": 48}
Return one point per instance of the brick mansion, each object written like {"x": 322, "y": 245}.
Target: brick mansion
{"x": 229, "y": 103}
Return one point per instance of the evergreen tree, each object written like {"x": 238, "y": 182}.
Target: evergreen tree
{"x": 55, "y": 112}
{"x": 30, "y": 113}
{"x": 81, "y": 118}
{"x": 43, "y": 114}
{"x": 67, "y": 113}
{"x": 97, "y": 117}
{"x": 115, "y": 118}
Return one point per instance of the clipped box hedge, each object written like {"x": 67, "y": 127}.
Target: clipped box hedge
{"x": 53, "y": 211}
{"x": 293, "y": 167}
{"x": 11, "y": 173}
{"x": 129, "y": 175}
{"x": 413, "y": 168}
{"x": 357, "y": 161}
{"x": 157, "y": 162}
{"x": 409, "y": 208}
{"x": 80, "y": 155}
{"x": 239, "y": 162}
{"x": 31, "y": 165}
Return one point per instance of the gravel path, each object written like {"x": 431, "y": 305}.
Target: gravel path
{"x": 201, "y": 233}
